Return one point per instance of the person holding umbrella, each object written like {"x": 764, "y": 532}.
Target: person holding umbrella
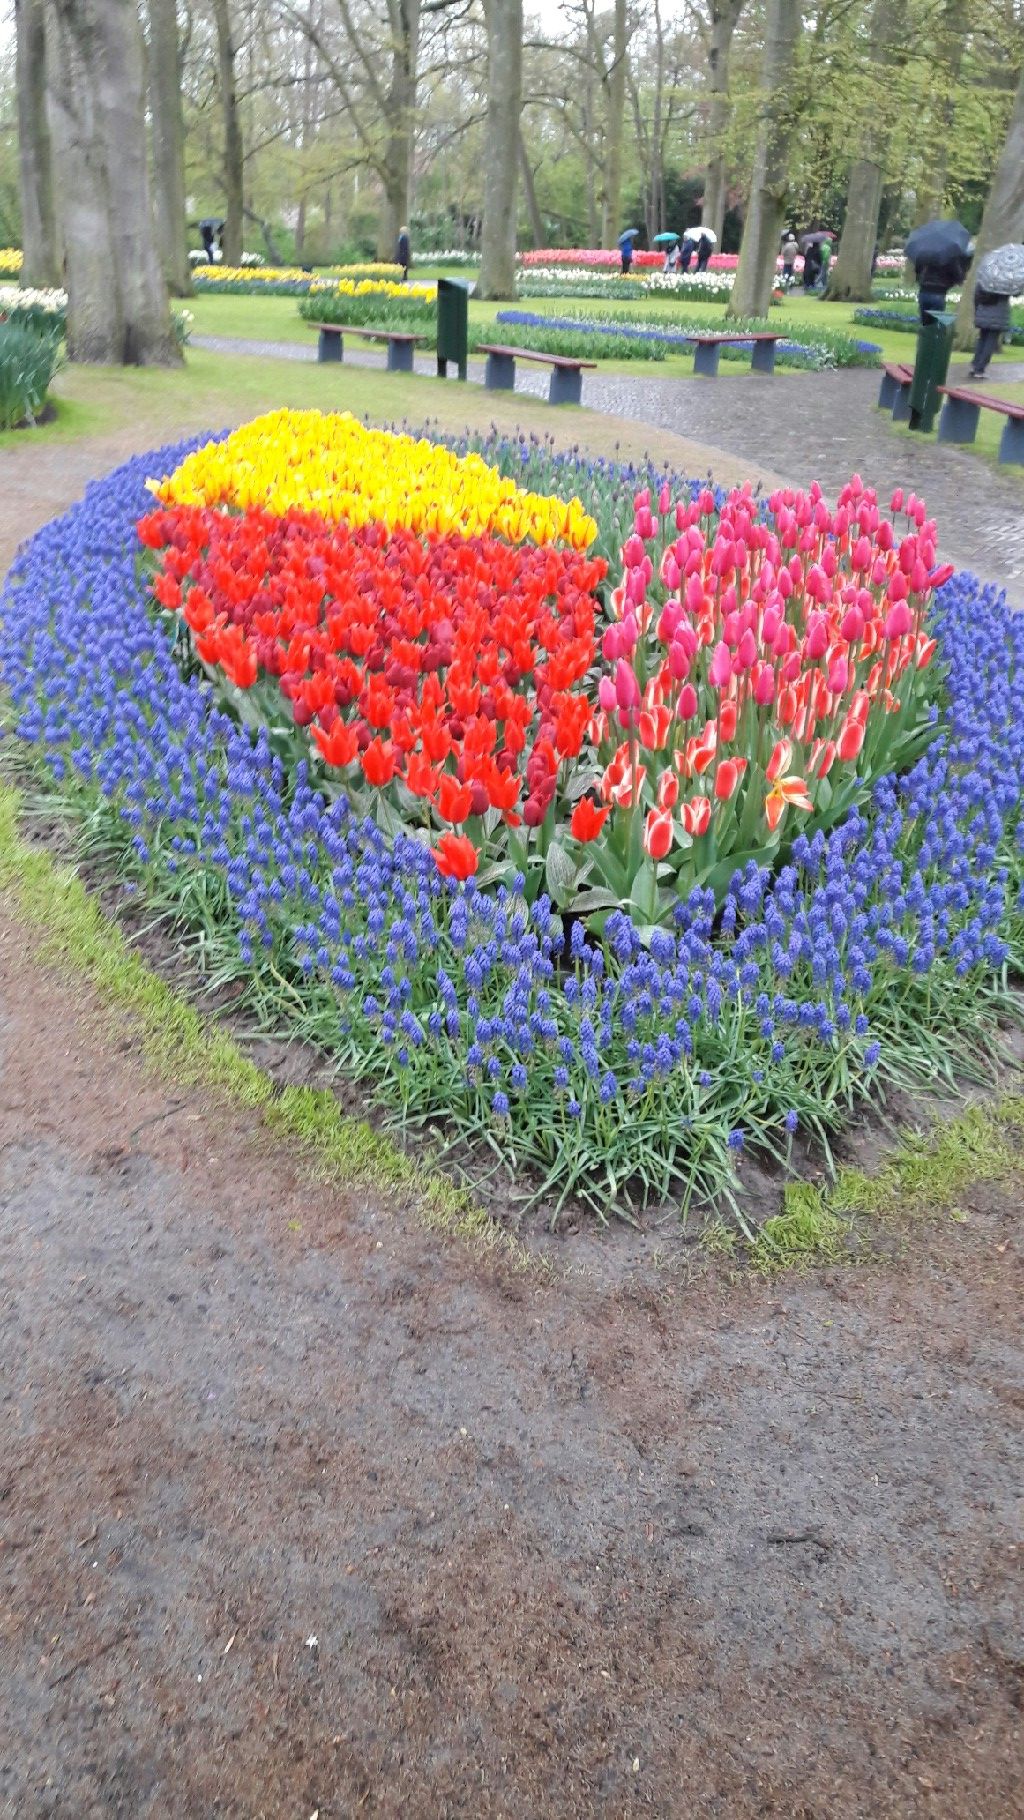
{"x": 940, "y": 253}
{"x": 790, "y": 249}
{"x": 705, "y": 248}
{"x": 626, "y": 240}
{"x": 671, "y": 244}
{"x": 1000, "y": 277}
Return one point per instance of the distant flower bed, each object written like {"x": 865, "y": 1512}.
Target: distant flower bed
{"x": 694, "y": 287}
{"x": 907, "y": 322}
{"x": 452, "y": 256}
{"x": 612, "y": 338}
{"x": 363, "y": 301}
{"x": 649, "y": 261}
{"x": 10, "y": 260}
{"x": 280, "y": 280}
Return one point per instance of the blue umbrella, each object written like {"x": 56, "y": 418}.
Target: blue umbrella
{"x": 630, "y": 234}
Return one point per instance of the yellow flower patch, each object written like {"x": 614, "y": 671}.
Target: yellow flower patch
{"x": 328, "y": 463}
{"x": 10, "y": 259}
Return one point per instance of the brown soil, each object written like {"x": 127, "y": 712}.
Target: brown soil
{"x": 717, "y": 1548}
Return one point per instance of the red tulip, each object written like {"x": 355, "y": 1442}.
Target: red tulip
{"x": 455, "y": 856}
{"x": 658, "y": 833}
{"x": 587, "y": 819}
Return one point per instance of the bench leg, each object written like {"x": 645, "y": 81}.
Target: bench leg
{"x": 959, "y": 420}
{"x": 400, "y": 357}
{"x": 1011, "y": 443}
{"x": 566, "y": 385}
{"x": 901, "y": 402}
{"x": 887, "y": 392}
{"x": 762, "y": 360}
{"x": 500, "y": 373}
{"x": 329, "y": 347}
{"x": 705, "y": 359}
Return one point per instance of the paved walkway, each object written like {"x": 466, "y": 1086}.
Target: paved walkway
{"x": 815, "y": 427}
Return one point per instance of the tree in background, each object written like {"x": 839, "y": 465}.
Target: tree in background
{"x": 716, "y": 22}
{"x": 117, "y": 298}
{"x": 872, "y": 130}
{"x": 234, "y": 159}
{"x": 504, "y": 105}
{"x": 1003, "y": 218}
{"x": 41, "y": 265}
{"x": 168, "y": 144}
{"x": 769, "y": 184}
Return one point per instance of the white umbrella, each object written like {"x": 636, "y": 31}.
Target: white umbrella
{"x": 701, "y": 233}
{"x": 1002, "y": 270}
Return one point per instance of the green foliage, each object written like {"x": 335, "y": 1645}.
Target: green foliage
{"x": 907, "y": 322}
{"x": 29, "y": 357}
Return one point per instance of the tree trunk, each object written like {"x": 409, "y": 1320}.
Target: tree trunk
{"x": 755, "y": 274}
{"x": 117, "y": 299}
{"x": 615, "y": 124}
{"x": 1004, "y": 212}
{"x": 850, "y": 281}
{"x": 931, "y": 192}
{"x": 234, "y": 169}
{"x": 40, "y": 266}
{"x": 168, "y": 144}
{"x": 725, "y": 16}
{"x": 504, "y": 106}
{"x": 399, "y": 113}
{"x": 530, "y": 192}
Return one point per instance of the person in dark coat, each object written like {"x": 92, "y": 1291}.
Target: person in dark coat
{"x": 705, "y": 248}
{"x": 686, "y": 253}
{"x": 992, "y": 320}
{"x": 403, "y": 252}
{"x": 935, "y": 277}
{"x": 812, "y": 265}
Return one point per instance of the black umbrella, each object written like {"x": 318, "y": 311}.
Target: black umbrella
{"x": 815, "y": 239}
{"x": 936, "y": 242}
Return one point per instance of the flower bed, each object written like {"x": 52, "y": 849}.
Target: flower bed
{"x": 613, "y": 338}
{"x": 637, "y": 1062}
{"x": 280, "y": 280}
{"x": 693, "y": 287}
{"x": 371, "y": 300}
{"x": 908, "y": 321}
{"x": 43, "y": 309}
{"x": 10, "y": 261}
{"x": 29, "y": 357}
{"x": 650, "y": 261}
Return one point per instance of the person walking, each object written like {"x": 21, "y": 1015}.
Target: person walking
{"x": 992, "y": 320}
{"x": 790, "y": 249}
{"x": 826, "y": 260}
{"x": 403, "y": 252}
{"x": 626, "y": 249}
{"x": 705, "y": 248}
{"x": 812, "y": 265}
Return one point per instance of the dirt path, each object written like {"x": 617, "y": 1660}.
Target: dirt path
{"x": 303, "y": 1511}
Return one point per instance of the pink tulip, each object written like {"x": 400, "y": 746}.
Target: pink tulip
{"x": 627, "y": 689}
{"x": 747, "y": 653}
{"x": 721, "y": 666}
{"x": 671, "y": 613}
{"x": 838, "y": 675}
{"x": 853, "y": 625}
{"x": 633, "y": 552}
{"x": 764, "y": 685}
{"x": 817, "y": 636}
{"x": 861, "y": 557}
{"x": 918, "y": 578}
{"x": 606, "y": 694}
{"x": 898, "y": 588}
{"x": 611, "y": 644}
{"x": 644, "y": 522}
{"x": 664, "y": 501}
{"x": 678, "y": 662}
{"x": 899, "y": 620}
{"x": 687, "y": 704}
{"x": 896, "y": 502}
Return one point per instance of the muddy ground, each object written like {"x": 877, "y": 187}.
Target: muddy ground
{"x": 304, "y": 1510}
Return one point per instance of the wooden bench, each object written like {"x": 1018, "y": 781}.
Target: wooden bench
{"x": 401, "y": 345}
{"x": 708, "y": 347}
{"x": 959, "y": 421}
{"x": 894, "y": 391}
{"x": 566, "y": 372}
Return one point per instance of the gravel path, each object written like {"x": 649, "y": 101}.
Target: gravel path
{"x": 821, "y": 426}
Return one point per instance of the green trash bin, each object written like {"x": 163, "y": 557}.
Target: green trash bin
{"x": 934, "y": 347}
{"x": 452, "y": 326}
